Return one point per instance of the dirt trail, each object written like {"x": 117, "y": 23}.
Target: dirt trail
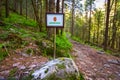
{"x": 95, "y": 66}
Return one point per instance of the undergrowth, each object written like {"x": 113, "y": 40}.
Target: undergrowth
{"x": 63, "y": 45}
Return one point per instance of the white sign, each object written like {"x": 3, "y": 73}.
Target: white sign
{"x": 55, "y": 20}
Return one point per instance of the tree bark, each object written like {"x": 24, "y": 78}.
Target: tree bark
{"x": 119, "y": 44}
{"x": 40, "y": 15}
{"x": 57, "y": 11}
{"x": 89, "y": 32}
{"x": 107, "y": 25}
{"x": 62, "y": 12}
{"x": 36, "y": 15}
{"x": 26, "y": 9}
{"x": 21, "y": 2}
{"x": 15, "y": 6}
{"x": 0, "y": 7}
{"x": 114, "y": 26}
{"x": 72, "y": 27}
{"x": 7, "y": 8}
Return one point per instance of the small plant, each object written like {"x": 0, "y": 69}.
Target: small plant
{"x": 3, "y": 52}
{"x": 13, "y": 72}
{"x": 61, "y": 66}
{"x": 30, "y": 51}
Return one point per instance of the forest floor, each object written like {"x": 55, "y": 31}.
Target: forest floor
{"x": 95, "y": 65}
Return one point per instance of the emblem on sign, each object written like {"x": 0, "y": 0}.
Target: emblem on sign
{"x": 54, "y": 19}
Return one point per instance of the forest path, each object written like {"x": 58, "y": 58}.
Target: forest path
{"x": 93, "y": 65}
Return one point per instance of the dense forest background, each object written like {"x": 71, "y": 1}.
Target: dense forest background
{"x": 84, "y": 21}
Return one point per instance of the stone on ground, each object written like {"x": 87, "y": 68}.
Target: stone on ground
{"x": 61, "y": 68}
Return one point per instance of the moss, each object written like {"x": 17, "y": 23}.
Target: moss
{"x": 52, "y": 77}
{"x": 61, "y": 66}
{"x": 13, "y": 72}
{"x": 29, "y": 51}
{"x": 46, "y": 70}
{"x": 68, "y": 77}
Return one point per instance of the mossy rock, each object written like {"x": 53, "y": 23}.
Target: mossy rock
{"x": 58, "y": 69}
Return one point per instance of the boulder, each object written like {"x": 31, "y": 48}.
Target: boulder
{"x": 57, "y": 69}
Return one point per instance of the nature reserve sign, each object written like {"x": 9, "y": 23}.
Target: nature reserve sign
{"x": 55, "y": 20}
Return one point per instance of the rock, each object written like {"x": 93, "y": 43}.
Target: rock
{"x": 61, "y": 68}
{"x": 106, "y": 65}
{"x": 100, "y": 52}
{"x": 47, "y": 44}
{"x": 16, "y": 64}
{"x": 2, "y": 78}
{"x": 21, "y": 67}
{"x": 32, "y": 66}
{"x": 113, "y": 61}
{"x": 25, "y": 54}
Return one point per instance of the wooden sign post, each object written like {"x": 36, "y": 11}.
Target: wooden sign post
{"x": 55, "y": 20}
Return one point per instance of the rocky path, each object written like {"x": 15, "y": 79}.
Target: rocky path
{"x": 95, "y": 66}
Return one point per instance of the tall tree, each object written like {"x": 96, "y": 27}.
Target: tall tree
{"x": 7, "y": 8}
{"x": 72, "y": 23}
{"x": 36, "y": 12}
{"x": 107, "y": 25}
{"x": 21, "y": 4}
{"x": 114, "y": 28}
{"x": 57, "y": 11}
{"x": 89, "y": 31}
{"x": 40, "y": 1}
{"x": 15, "y": 6}
{"x": 0, "y": 7}
{"x": 26, "y": 9}
{"x": 88, "y": 7}
{"x": 98, "y": 20}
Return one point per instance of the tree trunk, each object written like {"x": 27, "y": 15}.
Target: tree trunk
{"x": 7, "y": 8}
{"x": 57, "y": 11}
{"x": 21, "y": 2}
{"x": 40, "y": 15}
{"x": 89, "y": 32}
{"x": 98, "y": 28}
{"x": 52, "y": 6}
{"x": 62, "y": 12}
{"x": 26, "y": 9}
{"x": 0, "y": 7}
{"x": 72, "y": 27}
{"x": 107, "y": 25}
{"x": 36, "y": 14}
{"x": 119, "y": 44}
{"x": 15, "y": 6}
{"x": 114, "y": 26}
{"x": 51, "y": 10}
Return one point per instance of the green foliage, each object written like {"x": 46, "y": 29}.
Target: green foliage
{"x": 63, "y": 46}
{"x": 3, "y": 53}
{"x": 17, "y": 19}
{"x": 77, "y": 39}
{"x": 13, "y": 72}
{"x": 4, "y": 35}
{"x": 61, "y": 66}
